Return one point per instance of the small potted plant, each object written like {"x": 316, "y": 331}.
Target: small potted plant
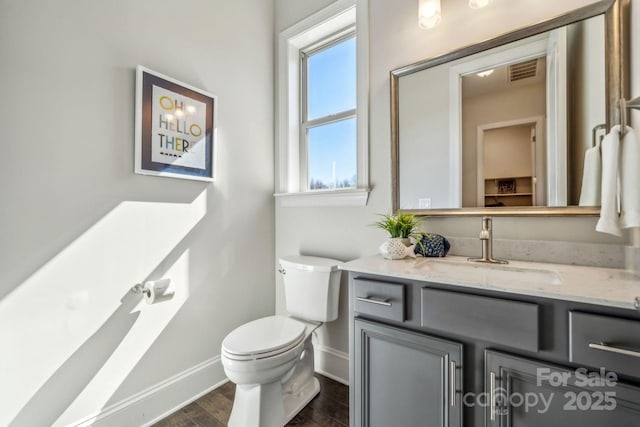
{"x": 400, "y": 227}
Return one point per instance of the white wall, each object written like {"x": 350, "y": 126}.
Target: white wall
{"x": 78, "y": 228}
{"x": 396, "y": 40}
{"x": 587, "y": 94}
{"x": 424, "y": 132}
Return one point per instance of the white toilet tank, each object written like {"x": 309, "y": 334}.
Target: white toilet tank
{"x": 311, "y": 287}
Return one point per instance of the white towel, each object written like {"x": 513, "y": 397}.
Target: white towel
{"x": 591, "y": 177}
{"x": 608, "y": 222}
{"x": 630, "y": 181}
{"x": 620, "y": 183}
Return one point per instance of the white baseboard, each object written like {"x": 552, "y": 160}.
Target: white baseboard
{"x": 156, "y": 402}
{"x": 332, "y": 363}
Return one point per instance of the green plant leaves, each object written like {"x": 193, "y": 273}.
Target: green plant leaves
{"x": 400, "y": 225}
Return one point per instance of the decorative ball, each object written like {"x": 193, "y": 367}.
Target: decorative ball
{"x": 432, "y": 245}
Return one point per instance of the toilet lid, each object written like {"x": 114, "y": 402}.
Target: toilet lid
{"x": 264, "y": 335}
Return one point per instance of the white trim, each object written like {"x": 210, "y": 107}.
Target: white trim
{"x": 187, "y": 385}
{"x": 342, "y": 13}
{"x": 347, "y": 197}
{"x": 333, "y": 377}
{"x": 455, "y": 139}
{"x": 186, "y": 402}
{"x": 362, "y": 108}
{"x": 557, "y": 114}
{"x": 505, "y": 57}
{"x": 332, "y": 363}
{"x": 150, "y": 405}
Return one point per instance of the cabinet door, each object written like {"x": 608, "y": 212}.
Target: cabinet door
{"x": 405, "y": 379}
{"x": 525, "y": 392}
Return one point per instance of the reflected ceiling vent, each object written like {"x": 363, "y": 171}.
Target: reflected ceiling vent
{"x": 523, "y": 70}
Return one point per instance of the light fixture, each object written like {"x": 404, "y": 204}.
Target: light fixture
{"x": 485, "y": 73}
{"x": 428, "y": 13}
{"x": 478, "y": 4}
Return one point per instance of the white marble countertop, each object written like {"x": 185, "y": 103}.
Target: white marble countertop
{"x": 593, "y": 285}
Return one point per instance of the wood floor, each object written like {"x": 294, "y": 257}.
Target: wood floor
{"x": 329, "y": 408}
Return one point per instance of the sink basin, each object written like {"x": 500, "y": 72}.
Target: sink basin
{"x": 493, "y": 274}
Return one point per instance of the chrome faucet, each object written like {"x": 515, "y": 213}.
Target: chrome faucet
{"x": 486, "y": 237}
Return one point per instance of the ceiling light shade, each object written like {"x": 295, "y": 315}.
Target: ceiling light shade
{"x": 428, "y": 13}
{"x": 478, "y": 4}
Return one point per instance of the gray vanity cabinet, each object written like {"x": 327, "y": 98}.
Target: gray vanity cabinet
{"x": 407, "y": 339}
{"x": 521, "y": 392}
{"x": 405, "y": 379}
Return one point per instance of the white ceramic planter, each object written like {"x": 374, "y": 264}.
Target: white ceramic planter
{"x": 397, "y": 248}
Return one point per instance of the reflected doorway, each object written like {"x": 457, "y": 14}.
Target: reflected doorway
{"x": 508, "y": 157}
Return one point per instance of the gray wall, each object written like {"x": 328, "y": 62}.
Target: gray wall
{"x": 78, "y": 228}
{"x": 396, "y": 40}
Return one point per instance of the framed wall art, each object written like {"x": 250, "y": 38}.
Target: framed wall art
{"x": 506, "y": 186}
{"x": 175, "y": 128}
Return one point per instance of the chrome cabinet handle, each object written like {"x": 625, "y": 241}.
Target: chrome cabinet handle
{"x": 452, "y": 366}
{"x": 492, "y": 395}
{"x": 384, "y": 302}
{"x": 604, "y": 347}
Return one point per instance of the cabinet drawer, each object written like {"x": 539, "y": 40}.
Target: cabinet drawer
{"x": 380, "y": 299}
{"x": 496, "y": 320}
{"x": 605, "y": 342}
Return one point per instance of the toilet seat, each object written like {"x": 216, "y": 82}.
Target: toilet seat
{"x": 263, "y": 338}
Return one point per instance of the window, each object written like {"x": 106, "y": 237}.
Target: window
{"x": 328, "y": 112}
{"x": 322, "y": 128}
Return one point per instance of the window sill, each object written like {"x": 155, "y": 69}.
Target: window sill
{"x": 348, "y": 197}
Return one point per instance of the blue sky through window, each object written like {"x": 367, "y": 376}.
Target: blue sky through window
{"x": 332, "y": 155}
{"x": 331, "y": 80}
{"x": 331, "y": 89}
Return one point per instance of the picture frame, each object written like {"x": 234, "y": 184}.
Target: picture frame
{"x": 506, "y": 186}
{"x": 175, "y": 128}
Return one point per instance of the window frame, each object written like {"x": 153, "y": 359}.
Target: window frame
{"x": 291, "y": 186}
{"x": 305, "y": 123}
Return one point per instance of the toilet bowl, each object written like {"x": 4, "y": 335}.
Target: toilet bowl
{"x": 271, "y": 359}
{"x": 271, "y": 362}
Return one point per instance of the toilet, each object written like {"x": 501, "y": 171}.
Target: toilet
{"x": 271, "y": 359}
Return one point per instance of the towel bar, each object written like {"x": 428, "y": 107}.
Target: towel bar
{"x": 594, "y": 132}
{"x": 624, "y": 106}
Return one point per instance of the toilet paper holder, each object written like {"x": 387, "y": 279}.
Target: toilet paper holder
{"x": 139, "y": 288}
{"x": 154, "y": 291}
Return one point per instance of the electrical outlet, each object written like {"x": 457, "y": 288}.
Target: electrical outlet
{"x": 424, "y": 203}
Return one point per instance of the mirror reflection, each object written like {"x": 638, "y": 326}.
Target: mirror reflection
{"x": 509, "y": 126}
